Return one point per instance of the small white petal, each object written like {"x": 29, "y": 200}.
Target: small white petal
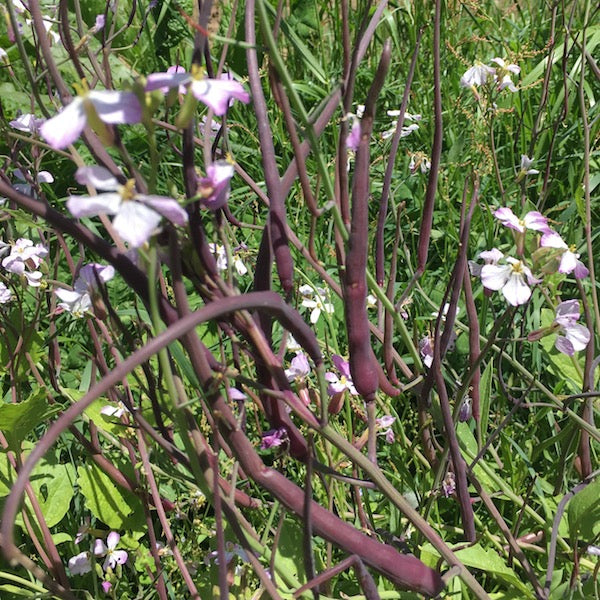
{"x": 136, "y": 222}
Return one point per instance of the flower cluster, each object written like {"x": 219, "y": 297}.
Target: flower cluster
{"x": 24, "y": 258}
{"x": 500, "y": 76}
{"x": 85, "y": 290}
{"x": 316, "y": 299}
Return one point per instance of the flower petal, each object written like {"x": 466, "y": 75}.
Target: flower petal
{"x": 167, "y": 207}
{"x": 135, "y": 222}
{"x": 90, "y": 206}
{"x": 64, "y": 128}
{"x": 98, "y": 177}
{"x": 216, "y": 93}
{"x": 516, "y": 291}
{"x": 165, "y": 81}
{"x": 116, "y": 107}
{"x": 494, "y": 277}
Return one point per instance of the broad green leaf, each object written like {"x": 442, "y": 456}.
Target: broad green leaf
{"x": 117, "y": 508}
{"x": 584, "y": 511}
{"x": 17, "y": 420}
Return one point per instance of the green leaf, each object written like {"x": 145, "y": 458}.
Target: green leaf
{"x": 17, "y": 420}
{"x": 583, "y": 512}
{"x": 114, "y": 506}
{"x": 485, "y": 393}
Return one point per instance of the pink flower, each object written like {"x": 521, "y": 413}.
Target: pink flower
{"x": 510, "y": 279}
{"x": 235, "y": 394}
{"x": 113, "y": 556}
{"x": 532, "y": 220}
{"x": 80, "y": 564}
{"x": 137, "y": 215}
{"x": 299, "y": 368}
{"x": 273, "y": 438}
{"x": 353, "y": 139}
{"x": 215, "y": 93}
{"x": 569, "y": 259}
{"x": 338, "y": 385}
{"x": 214, "y": 188}
{"x": 575, "y": 336}
{"x": 386, "y": 423}
{"x": 106, "y": 586}
{"x": 109, "y": 106}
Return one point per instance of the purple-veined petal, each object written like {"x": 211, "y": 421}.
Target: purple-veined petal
{"x": 341, "y": 365}
{"x": 216, "y": 93}
{"x": 65, "y": 127}
{"x": 536, "y": 221}
{"x": 516, "y": 291}
{"x": 135, "y": 222}
{"x": 551, "y": 239}
{"x": 116, "y": 107}
{"x": 568, "y": 262}
{"x": 562, "y": 344}
{"x": 506, "y": 216}
{"x": 491, "y": 257}
{"x": 165, "y": 81}
{"x": 80, "y": 564}
{"x": 215, "y": 186}
{"x": 569, "y": 310}
{"x": 100, "y": 548}
{"x": 90, "y": 206}
{"x": 112, "y": 540}
{"x": 98, "y": 177}
{"x": 86, "y": 281}
{"x": 578, "y": 335}
{"x": 167, "y": 207}
{"x": 581, "y": 270}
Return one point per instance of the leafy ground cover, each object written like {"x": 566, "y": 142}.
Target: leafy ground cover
{"x": 298, "y": 300}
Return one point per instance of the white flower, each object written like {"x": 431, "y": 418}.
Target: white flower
{"x": 299, "y": 368}
{"x": 24, "y": 259}
{"x": 533, "y": 220}
{"x": 503, "y": 74}
{"x": 114, "y": 411}
{"x": 490, "y": 257}
{"x": 478, "y": 74}
{"x": 113, "y": 557}
{"x": 27, "y": 123}
{"x": 569, "y": 259}
{"x": 24, "y": 187}
{"x": 526, "y": 163}
{"x": 317, "y": 300}
{"x": 137, "y": 215}
{"x": 221, "y": 255}
{"x": 510, "y": 279}
{"x": 5, "y": 294}
{"x": 576, "y": 337}
{"x": 79, "y": 300}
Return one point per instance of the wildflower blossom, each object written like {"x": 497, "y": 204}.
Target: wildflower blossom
{"x": 426, "y": 350}
{"x": 490, "y": 257}
{"x": 214, "y": 188}
{"x": 406, "y": 129}
{"x": 221, "y": 256}
{"x": 109, "y": 106}
{"x": 79, "y": 300}
{"x": 299, "y": 368}
{"x": 574, "y": 336}
{"x": 449, "y": 484}
{"x": 385, "y": 423}
{"x": 353, "y": 139}
{"x": 503, "y": 72}
{"x": 24, "y": 187}
{"x": 137, "y": 215}
{"x": 5, "y": 294}
{"x": 532, "y": 220}
{"x": 106, "y": 586}
{"x": 235, "y": 394}
{"x": 343, "y": 382}
{"x": 215, "y": 93}
{"x": 478, "y": 74}
{"x": 526, "y": 169}
{"x": 317, "y": 300}
{"x": 569, "y": 259}
{"x": 418, "y": 160}
{"x": 27, "y": 123}
{"x": 512, "y": 279}
{"x": 231, "y": 551}
{"x": 464, "y": 413}
{"x": 80, "y": 564}
{"x": 113, "y": 556}
{"x": 116, "y": 411}
{"x": 273, "y": 438}
{"x": 24, "y": 259}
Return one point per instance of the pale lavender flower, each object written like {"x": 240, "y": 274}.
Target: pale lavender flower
{"x": 449, "y": 484}
{"x": 503, "y": 72}
{"x": 235, "y": 394}
{"x": 273, "y": 438}
{"x": 426, "y": 350}
{"x": 569, "y": 259}
{"x": 464, "y": 413}
{"x": 214, "y": 188}
{"x": 113, "y": 556}
{"x": 510, "y": 279}
{"x": 24, "y": 259}
{"x": 27, "y": 123}
{"x": 99, "y": 23}
{"x": 526, "y": 169}
{"x": 343, "y": 382}
{"x": 575, "y": 336}
{"x": 476, "y": 75}
{"x": 79, "y": 300}
{"x": 116, "y": 411}
{"x": 490, "y": 257}
{"x": 385, "y": 423}
{"x": 532, "y": 220}
{"x": 110, "y": 106}
{"x": 299, "y": 368}
{"x": 24, "y": 187}
{"x": 215, "y": 93}
{"x": 5, "y": 294}
{"x": 80, "y": 564}
{"x": 137, "y": 215}
{"x": 353, "y": 139}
